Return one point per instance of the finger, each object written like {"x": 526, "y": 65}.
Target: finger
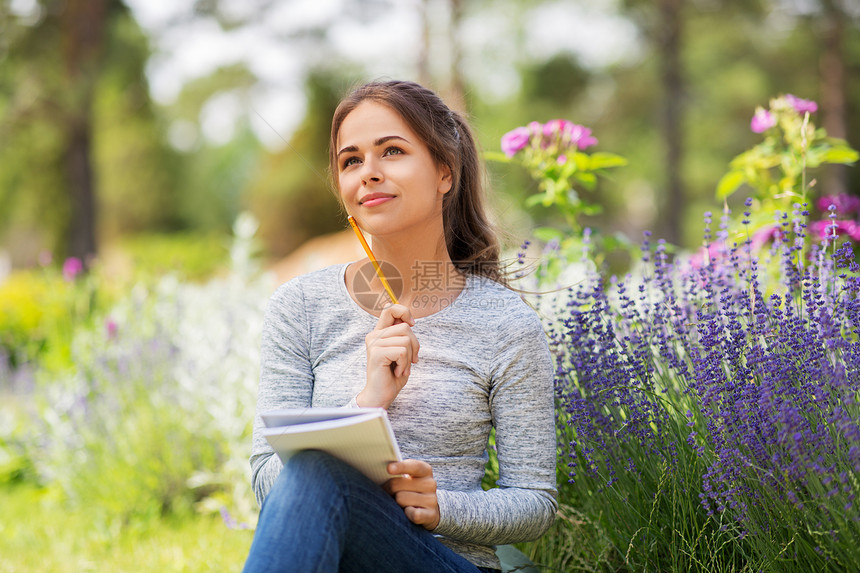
{"x": 397, "y": 357}
{"x": 422, "y": 516}
{"x": 399, "y": 334}
{"x": 415, "y": 468}
{"x": 415, "y": 499}
{"x": 422, "y": 486}
{"x": 394, "y": 314}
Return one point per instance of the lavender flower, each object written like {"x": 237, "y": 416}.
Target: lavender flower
{"x": 749, "y": 377}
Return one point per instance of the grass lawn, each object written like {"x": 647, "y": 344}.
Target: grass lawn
{"x": 39, "y": 534}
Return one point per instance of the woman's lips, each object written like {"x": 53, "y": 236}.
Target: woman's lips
{"x": 374, "y": 201}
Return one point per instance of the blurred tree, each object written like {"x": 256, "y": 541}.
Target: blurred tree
{"x": 82, "y": 34}
{"x": 834, "y": 16}
{"x": 456, "y": 92}
{"x": 77, "y": 121}
{"x": 423, "y": 63}
{"x": 214, "y": 174}
{"x": 662, "y": 24}
{"x": 557, "y": 82}
{"x": 811, "y": 51}
{"x": 290, "y": 193}
{"x": 287, "y": 189}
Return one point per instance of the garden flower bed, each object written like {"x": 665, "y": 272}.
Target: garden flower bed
{"x": 707, "y": 402}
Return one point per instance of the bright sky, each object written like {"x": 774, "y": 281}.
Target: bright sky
{"x": 387, "y": 47}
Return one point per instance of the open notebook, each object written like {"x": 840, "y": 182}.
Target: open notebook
{"x": 361, "y": 437}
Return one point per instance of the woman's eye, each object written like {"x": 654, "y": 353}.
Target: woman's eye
{"x": 350, "y": 161}
{"x": 393, "y": 151}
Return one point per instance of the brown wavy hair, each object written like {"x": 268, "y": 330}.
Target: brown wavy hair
{"x": 469, "y": 236}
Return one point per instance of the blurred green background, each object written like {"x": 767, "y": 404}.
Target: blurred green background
{"x": 153, "y": 118}
{"x": 178, "y": 148}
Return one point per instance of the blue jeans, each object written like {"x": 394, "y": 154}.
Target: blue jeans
{"x": 322, "y": 515}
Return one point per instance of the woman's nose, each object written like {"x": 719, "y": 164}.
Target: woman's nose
{"x": 370, "y": 172}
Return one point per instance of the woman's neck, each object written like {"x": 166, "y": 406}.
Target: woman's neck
{"x": 430, "y": 281}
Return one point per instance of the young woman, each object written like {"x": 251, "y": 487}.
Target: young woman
{"x": 460, "y": 354}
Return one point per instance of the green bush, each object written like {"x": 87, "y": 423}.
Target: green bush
{"x": 155, "y": 416}
{"x": 39, "y": 312}
{"x": 192, "y": 256}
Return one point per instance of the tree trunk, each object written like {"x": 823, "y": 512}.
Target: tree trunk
{"x": 82, "y": 25}
{"x": 424, "y": 76}
{"x": 832, "y": 70}
{"x": 79, "y": 176}
{"x": 672, "y": 76}
{"x": 457, "y": 90}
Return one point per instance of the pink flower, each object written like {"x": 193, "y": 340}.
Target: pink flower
{"x": 707, "y": 255}
{"x": 583, "y": 139}
{"x": 556, "y": 127}
{"x": 515, "y": 140}
{"x": 825, "y": 229}
{"x": 762, "y": 121}
{"x": 765, "y": 235}
{"x": 72, "y": 268}
{"x": 845, "y": 204}
{"x": 111, "y": 327}
{"x": 572, "y": 134}
{"x": 801, "y": 106}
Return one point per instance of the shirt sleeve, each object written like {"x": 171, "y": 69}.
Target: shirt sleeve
{"x": 524, "y": 504}
{"x": 286, "y": 376}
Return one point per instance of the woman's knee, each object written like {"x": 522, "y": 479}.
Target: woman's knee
{"x": 313, "y": 463}
{"x": 314, "y": 470}
{"x": 305, "y": 476}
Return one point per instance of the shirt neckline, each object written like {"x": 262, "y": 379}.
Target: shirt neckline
{"x": 469, "y": 284}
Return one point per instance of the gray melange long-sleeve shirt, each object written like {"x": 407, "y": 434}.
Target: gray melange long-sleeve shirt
{"x": 484, "y": 362}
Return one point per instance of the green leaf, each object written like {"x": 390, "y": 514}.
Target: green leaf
{"x": 497, "y": 156}
{"x": 547, "y": 234}
{"x": 617, "y": 241}
{"x": 568, "y": 169}
{"x": 840, "y": 154}
{"x": 535, "y": 199}
{"x": 603, "y": 160}
{"x": 591, "y": 209}
{"x": 588, "y": 180}
{"x": 730, "y": 183}
{"x": 582, "y": 161}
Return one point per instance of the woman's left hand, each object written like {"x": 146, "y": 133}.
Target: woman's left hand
{"x": 415, "y": 491}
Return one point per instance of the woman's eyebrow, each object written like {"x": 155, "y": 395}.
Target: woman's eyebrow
{"x": 347, "y": 149}
{"x": 388, "y": 138}
{"x": 377, "y": 143}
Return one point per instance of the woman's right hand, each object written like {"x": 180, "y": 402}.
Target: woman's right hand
{"x": 391, "y": 350}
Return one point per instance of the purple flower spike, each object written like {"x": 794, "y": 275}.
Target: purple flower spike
{"x": 762, "y": 121}
{"x": 515, "y": 140}
{"x": 800, "y": 105}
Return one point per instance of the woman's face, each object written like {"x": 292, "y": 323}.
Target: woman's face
{"x": 386, "y": 176}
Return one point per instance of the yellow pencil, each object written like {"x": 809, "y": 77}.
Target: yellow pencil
{"x": 372, "y": 258}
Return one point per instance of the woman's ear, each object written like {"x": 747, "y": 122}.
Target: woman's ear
{"x": 446, "y": 181}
